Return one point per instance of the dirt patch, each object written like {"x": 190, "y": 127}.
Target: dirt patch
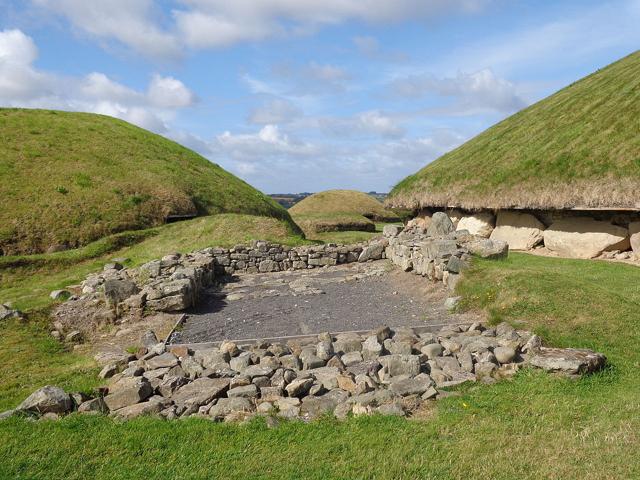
{"x": 343, "y": 298}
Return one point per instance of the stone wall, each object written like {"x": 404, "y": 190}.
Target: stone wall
{"x": 567, "y": 233}
{"x": 440, "y": 253}
{"x": 175, "y": 282}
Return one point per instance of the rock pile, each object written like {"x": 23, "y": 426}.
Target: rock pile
{"x": 386, "y": 371}
{"x": 441, "y": 252}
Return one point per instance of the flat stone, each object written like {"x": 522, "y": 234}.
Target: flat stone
{"x": 166, "y": 360}
{"x": 258, "y": 371}
{"x": 128, "y": 391}
{"x": 248, "y": 391}
{"x": 200, "y": 391}
{"x": 153, "y": 406}
{"x": 351, "y": 358}
{"x": 404, "y": 386}
{"x": 568, "y": 361}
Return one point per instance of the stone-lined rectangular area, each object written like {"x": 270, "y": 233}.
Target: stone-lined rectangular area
{"x": 350, "y": 297}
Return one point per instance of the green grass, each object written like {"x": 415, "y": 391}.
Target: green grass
{"x": 577, "y": 148}
{"x": 339, "y": 210}
{"x": 71, "y": 178}
{"x": 535, "y": 426}
{"x": 27, "y": 280}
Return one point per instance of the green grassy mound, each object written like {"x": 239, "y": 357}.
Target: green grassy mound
{"x": 534, "y": 426}
{"x": 67, "y": 179}
{"x": 340, "y": 210}
{"x": 27, "y": 280}
{"x": 577, "y": 148}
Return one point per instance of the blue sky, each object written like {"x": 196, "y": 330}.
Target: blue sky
{"x": 306, "y": 95}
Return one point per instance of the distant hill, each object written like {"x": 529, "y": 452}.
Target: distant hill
{"x": 70, "y": 178}
{"x": 340, "y": 210}
{"x": 578, "y": 148}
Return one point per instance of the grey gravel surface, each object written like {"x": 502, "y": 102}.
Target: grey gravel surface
{"x": 336, "y": 299}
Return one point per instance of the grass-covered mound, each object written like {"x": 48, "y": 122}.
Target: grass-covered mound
{"x": 534, "y": 426}
{"x": 340, "y": 210}
{"x": 577, "y": 148}
{"x": 71, "y": 178}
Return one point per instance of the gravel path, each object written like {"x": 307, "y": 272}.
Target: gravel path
{"x": 344, "y": 298}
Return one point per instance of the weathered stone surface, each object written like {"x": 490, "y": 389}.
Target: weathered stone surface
{"x": 351, "y": 358}
{"x": 522, "y": 231}
{"x": 487, "y": 248}
{"x": 373, "y": 251}
{"x": 404, "y": 385}
{"x": 166, "y": 360}
{"x": 200, "y": 391}
{"x": 440, "y": 225}
{"x": 152, "y": 406}
{"x": 583, "y": 237}
{"x": 7, "y": 312}
{"x": 570, "y": 361}
{"x": 393, "y": 365}
{"x": 347, "y": 342}
{"x": 128, "y": 391}
{"x": 48, "y": 399}
{"x": 432, "y": 350}
{"x": 116, "y": 291}
{"x": 95, "y": 405}
{"x": 227, "y": 406}
{"x": 299, "y": 387}
{"x": 248, "y": 391}
{"x": 314, "y": 407}
{"x": 391, "y": 231}
{"x": 211, "y": 357}
{"x": 504, "y": 354}
{"x": 480, "y": 223}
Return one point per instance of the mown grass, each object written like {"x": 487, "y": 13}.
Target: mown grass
{"x": 70, "y": 178}
{"x": 576, "y": 148}
{"x": 27, "y": 280}
{"x": 535, "y": 426}
{"x": 348, "y": 236}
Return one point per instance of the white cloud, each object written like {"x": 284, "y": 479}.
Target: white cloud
{"x": 479, "y": 91}
{"x": 133, "y": 23}
{"x": 168, "y": 92}
{"x": 269, "y": 141}
{"x": 220, "y": 23}
{"x": 371, "y": 122}
{"x": 22, "y": 85}
{"x": 277, "y": 110}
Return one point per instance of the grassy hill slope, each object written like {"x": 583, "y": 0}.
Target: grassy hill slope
{"x": 340, "y": 210}
{"x": 71, "y": 178}
{"x": 577, "y": 148}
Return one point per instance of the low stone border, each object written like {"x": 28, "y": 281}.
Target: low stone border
{"x": 390, "y": 372}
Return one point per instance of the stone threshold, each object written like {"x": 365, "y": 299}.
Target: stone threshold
{"x": 306, "y": 337}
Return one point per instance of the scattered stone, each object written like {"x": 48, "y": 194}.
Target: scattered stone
{"x": 74, "y": 337}
{"x": 504, "y": 354}
{"x": 128, "y": 391}
{"x": 59, "y": 294}
{"x": 48, "y": 399}
{"x": 568, "y": 361}
{"x": 109, "y": 371}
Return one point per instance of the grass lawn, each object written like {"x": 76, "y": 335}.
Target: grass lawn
{"x": 535, "y": 426}
{"x": 349, "y": 236}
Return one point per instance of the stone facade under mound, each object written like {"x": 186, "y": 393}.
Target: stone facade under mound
{"x": 565, "y": 233}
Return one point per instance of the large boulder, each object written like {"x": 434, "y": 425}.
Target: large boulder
{"x": 486, "y": 248}
{"x": 634, "y": 231}
{"x": 522, "y": 231}
{"x": 48, "y": 399}
{"x": 583, "y": 237}
{"x": 116, "y": 291}
{"x": 480, "y": 224}
{"x": 128, "y": 391}
{"x": 440, "y": 225}
{"x": 373, "y": 251}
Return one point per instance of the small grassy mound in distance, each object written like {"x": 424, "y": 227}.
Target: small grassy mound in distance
{"x": 577, "y": 148}
{"x": 27, "y": 280}
{"x": 67, "y": 179}
{"x": 340, "y": 210}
